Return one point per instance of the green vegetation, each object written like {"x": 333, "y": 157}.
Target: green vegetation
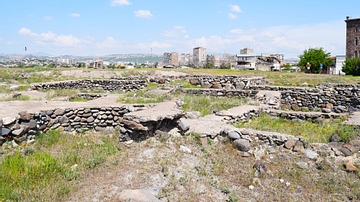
{"x": 314, "y": 58}
{"x": 352, "y": 66}
{"x": 38, "y": 173}
{"x": 311, "y": 132}
{"x": 142, "y": 97}
{"x": 78, "y": 99}
{"x": 207, "y": 104}
{"x": 51, "y": 94}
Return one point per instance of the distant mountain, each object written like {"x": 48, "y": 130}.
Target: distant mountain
{"x": 41, "y": 54}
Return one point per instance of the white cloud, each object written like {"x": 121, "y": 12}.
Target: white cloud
{"x": 236, "y": 31}
{"x": 232, "y": 16}
{"x": 143, "y": 14}
{"x": 177, "y": 31}
{"x": 293, "y": 40}
{"x": 119, "y": 2}
{"x": 160, "y": 46}
{"x": 235, "y": 8}
{"x": 74, "y": 15}
{"x": 47, "y": 18}
{"x": 52, "y": 39}
{"x": 109, "y": 42}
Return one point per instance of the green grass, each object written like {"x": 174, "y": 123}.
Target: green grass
{"x": 311, "y": 132}
{"x": 142, "y": 97}
{"x": 78, "y": 99}
{"x": 60, "y": 93}
{"x": 184, "y": 84}
{"x": 207, "y": 104}
{"x": 48, "y": 172}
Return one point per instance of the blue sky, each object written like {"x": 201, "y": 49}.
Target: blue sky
{"x": 98, "y": 27}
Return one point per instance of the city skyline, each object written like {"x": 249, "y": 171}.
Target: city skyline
{"x": 138, "y": 26}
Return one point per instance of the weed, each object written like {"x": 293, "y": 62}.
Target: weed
{"x": 60, "y": 93}
{"x": 78, "y": 99}
{"x": 312, "y": 132}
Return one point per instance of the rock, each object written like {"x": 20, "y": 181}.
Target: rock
{"x": 234, "y": 135}
{"x": 21, "y": 131}
{"x": 183, "y": 124}
{"x": 193, "y": 115}
{"x": 90, "y": 119}
{"x": 132, "y": 125}
{"x": 63, "y": 119}
{"x": 345, "y": 151}
{"x": 59, "y": 112}
{"x": 194, "y": 82}
{"x": 295, "y": 107}
{"x": 351, "y": 148}
{"x": 302, "y": 165}
{"x": 350, "y": 166}
{"x": 244, "y": 154}
{"x": 216, "y": 85}
{"x": 31, "y": 124}
{"x": 139, "y": 195}
{"x": 185, "y": 149}
{"x": 8, "y": 120}
{"x": 290, "y": 144}
{"x": 326, "y": 110}
{"x": 25, "y": 116}
{"x": 329, "y": 106}
{"x": 299, "y": 146}
{"x": 311, "y": 155}
{"x": 335, "y": 138}
{"x": 14, "y": 87}
{"x": 242, "y": 145}
{"x": 5, "y": 131}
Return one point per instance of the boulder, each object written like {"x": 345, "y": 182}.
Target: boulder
{"x": 25, "y": 116}
{"x": 234, "y": 135}
{"x": 242, "y": 145}
{"x": 183, "y": 124}
{"x": 8, "y": 120}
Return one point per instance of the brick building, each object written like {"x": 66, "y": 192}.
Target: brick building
{"x": 352, "y": 37}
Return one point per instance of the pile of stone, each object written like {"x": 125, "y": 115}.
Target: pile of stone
{"x": 125, "y": 85}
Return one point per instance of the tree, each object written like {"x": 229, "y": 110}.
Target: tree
{"x": 351, "y": 66}
{"x": 315, "y": 57}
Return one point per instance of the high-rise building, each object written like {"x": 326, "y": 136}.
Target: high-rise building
{"x": 199, "y": 56}
{"x": 185, "y": 59}
{"x": 352, "y": 37}
{"x": 171, "y": 59}
{"x": 214, "y": 60}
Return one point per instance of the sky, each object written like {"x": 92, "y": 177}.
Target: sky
{"x": 100, "y": 27}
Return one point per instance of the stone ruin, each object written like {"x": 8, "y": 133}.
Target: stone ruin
{"x": 137, "y": 122}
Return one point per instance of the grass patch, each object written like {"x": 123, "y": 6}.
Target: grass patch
{"x": 207, "y": 104}
{"x": 312, "y": 132}
{"x": 184, "y": 84}
{"x": 142, "y": 97}
{"x": 51, "y": 94}
{"x": 78, "y": 99}
{"x": 50, "y": 171}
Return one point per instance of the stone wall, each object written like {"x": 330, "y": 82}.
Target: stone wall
{"x": 27, "y": 125}
{"x": 226, "y": 82}
{"x": 220, "y": 92}
{"x": 107, "y": 85}
{"x": 339, "y": 100}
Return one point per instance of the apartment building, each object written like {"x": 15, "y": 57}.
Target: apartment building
{"x": 215, "y": 60}
{"x": 199, "y": 56}
{"x": 171, "y": 59}
{"x": 185, "y": 59}
{"x": 352, "y": 37}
